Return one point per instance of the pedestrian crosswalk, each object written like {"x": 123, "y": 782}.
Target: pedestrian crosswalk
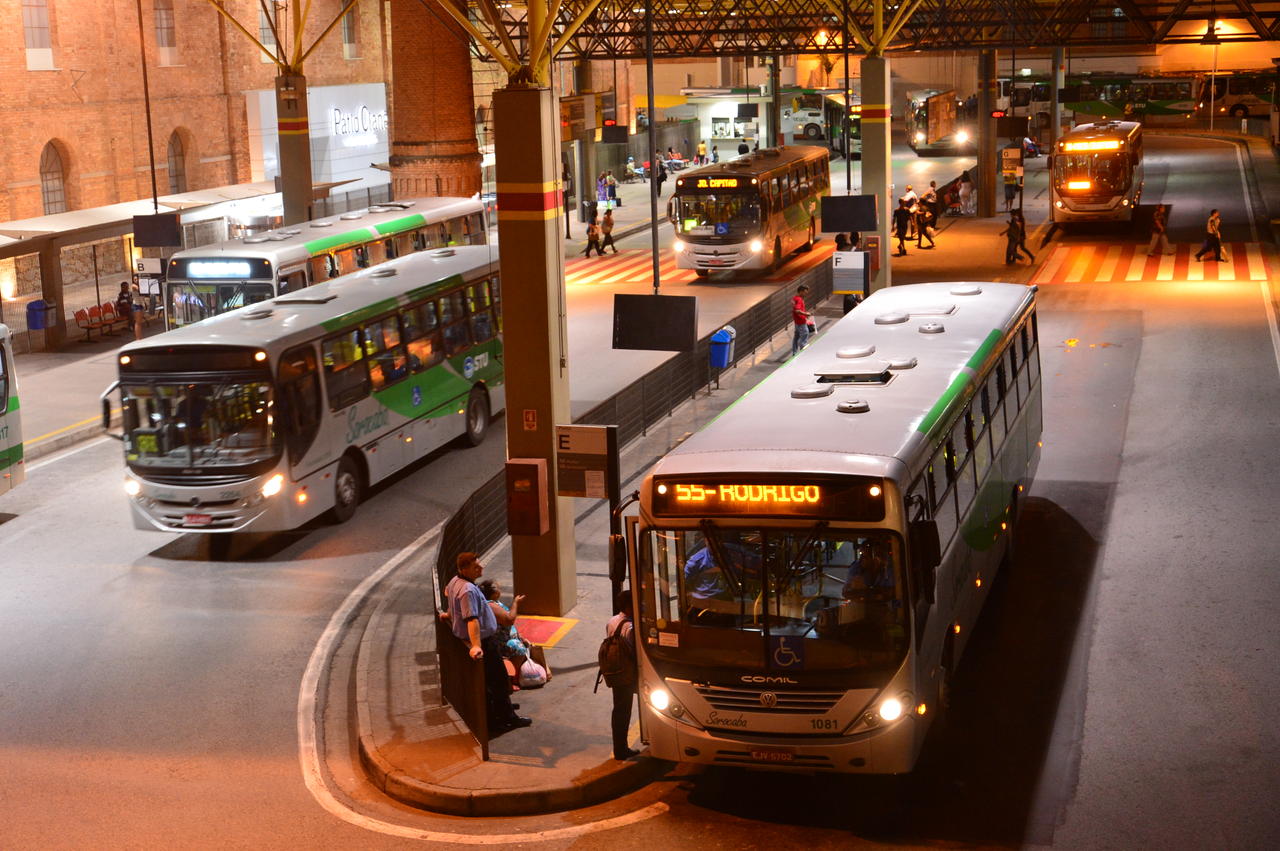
{"x": 635, "y": 266}
{"x": 1094, "y": 263}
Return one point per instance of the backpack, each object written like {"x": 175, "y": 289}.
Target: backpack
{"x": 617, "y": 663}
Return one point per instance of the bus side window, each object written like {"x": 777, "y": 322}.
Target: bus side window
{"x": 477, "y": 229}
{"x": 331, "y": 268}
{"x": 389, "y": 249}
{"x": 981, "y": 437}
{"x": 991, "y": 398}
{"x": 293, "y": 281}
{"x": 361, "y": 256}
{"x": 346, "y": 378}
{"x": 387, "y": 361}
{"x": 495, "y": 295}
{"x": 961, "y": 446}
{"x": 422, "y": 336}
{"x": 300, "y": 396}
{"x": 1033, "y": 356}
{"x": 453, "y": 316}
{"x": 944, "y": 505}
{"x": 419, "y": 240}
{"x": 478, "y": 308}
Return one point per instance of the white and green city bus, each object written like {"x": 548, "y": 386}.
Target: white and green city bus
{"x": 1096, "y": 173}
{"x": 807, "y": 568}
{"x": 12, "y": 464}
{"x": 750, "y": 212}
{"x": 212, "y": 279}
{"x": 268, "y": 416}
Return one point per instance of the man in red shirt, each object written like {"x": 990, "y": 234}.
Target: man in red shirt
{"x": 801, "y": 317}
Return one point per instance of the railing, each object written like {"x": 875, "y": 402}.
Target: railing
{"x": 481, "y": 521}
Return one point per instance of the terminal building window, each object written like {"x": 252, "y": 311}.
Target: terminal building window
{"x": 267, "y": 35}
{"x": 350, "y": 50}
{"x": 166, "y": 38}
{"x": 36, "y": 35}
{"x": 53, "y": 186}
{"x": 177, "y": 165}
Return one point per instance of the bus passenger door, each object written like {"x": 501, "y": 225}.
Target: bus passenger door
{"x": 630, "y": 574}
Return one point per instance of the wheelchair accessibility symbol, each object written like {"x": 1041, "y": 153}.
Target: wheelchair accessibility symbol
{"x": 786, "y": 652}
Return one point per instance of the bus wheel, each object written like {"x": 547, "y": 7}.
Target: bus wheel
{"x": 812, "y": 131}
{"x": 477, "y": 416}
{"x": 702, "y": 273}
{"x": 1239, "y": 111}
{"x": 346, "y": 490}
{"x": 220, "y": 546}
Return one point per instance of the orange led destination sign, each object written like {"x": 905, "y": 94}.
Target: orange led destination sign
{"x": 1094, "y": 145}
{"x": 717, "y": 183}
{"x": 848, "y": 498}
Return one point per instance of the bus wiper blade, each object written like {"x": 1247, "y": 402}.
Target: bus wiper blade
{"x": 808, "y": 543}
{"x": 712, "y": 534}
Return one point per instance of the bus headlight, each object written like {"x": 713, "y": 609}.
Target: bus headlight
{"x": 919, "y": 137}
{"x": 892, "y": 708}
{"x": 756, "y": 246}
{"x": 132, "y": 487}
{"x": 273, "y": 485}
{"x": 659, "y": 699}
{"x": 678, "y": 246}
{"x": 962, "y": 136}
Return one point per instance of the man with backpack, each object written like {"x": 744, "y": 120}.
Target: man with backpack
{"x": 618, "y": 670}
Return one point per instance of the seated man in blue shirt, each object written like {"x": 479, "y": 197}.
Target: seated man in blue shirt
{"x": 473, "y": 623}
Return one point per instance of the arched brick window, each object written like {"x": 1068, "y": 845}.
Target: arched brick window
{"x": 53, "y": 180}
{"x": 177, "y": 164}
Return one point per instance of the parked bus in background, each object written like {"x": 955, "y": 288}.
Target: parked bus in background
{"x": 1096, "y": 172}
{"x": 750, "y": 212}
{"x": 938, "y": 123}
{"x": 1130, "y": 97}
{"x": 12, "y": 464}
{"x": 808, "y": 568}
{"x": 205, "y": 281}
{"x": 264, "y": 418}
{"x": 1236, "y": 94}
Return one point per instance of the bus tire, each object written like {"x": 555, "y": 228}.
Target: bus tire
{"x": 702, "y": 273}
{"x": 1239, "y": 111}
{"x": 477, "y": 425}
{"x": 812, "y": 131}
{"x": 346, "y": 490}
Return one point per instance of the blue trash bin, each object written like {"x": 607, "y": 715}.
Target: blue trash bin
{"x": 37, "y": 313}
{"x": 722, "y": 347}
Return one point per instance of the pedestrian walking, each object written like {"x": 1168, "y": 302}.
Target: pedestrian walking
{"x": 473, "y": 623}
{"x": 901, "y": 226}
{"x": 1022, "y": 236}
{"x": 593, "y": 237}
{"x": 1212, "y": 238}
{"x": 606, "y": 233}
{"x": 924, "y": 224}
{"x": 611, "y": 189}
{"x": 800, "y": 318}
{"x": 1014, "y": 238}
{"x": 660, "y": 169}
{"x": 965, "y": 191}
{"x": 702, "y": 152}
{"x": 618, "y": 669}
{"x": 1159, "y": 224}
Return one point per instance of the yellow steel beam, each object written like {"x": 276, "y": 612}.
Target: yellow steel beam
{"x": 224, "y": 13}
{"x": 460, "y": 18}
{"x": 491, "y": 15}
{"x": 854, "y": 29}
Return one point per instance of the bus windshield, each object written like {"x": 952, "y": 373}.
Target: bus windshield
{"x": 835, "y": 599}
{"x": 199, "y": 424}
{"x": 1102, "y": 172}
{"x": 717, "y": 214}
{"x": 190, "y": 301}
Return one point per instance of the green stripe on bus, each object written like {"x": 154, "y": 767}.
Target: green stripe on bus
{"x": 359, "y": 315}
{"x": 402, "y": 224}
{"x": 980, "y": 356}
{"x": 10, "y": 456}
{"x": 339, "y": 240}
{"x": 960, "y": 382}
{"x": 13, "y": 404}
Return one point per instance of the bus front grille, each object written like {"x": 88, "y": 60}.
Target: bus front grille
{"x": 196, "y": 480}
{"x": 777, "y": 701}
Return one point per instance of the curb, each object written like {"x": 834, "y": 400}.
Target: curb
{"x": 600, "y": 784}
{"x": 68, "y": 438}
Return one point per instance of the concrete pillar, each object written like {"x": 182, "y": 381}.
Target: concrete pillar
{"x": 51, "y": 290}
{"x": 535, "y": 337}
{"x": 433, "y": 132}
{"x": 985, "y": 180}
{"x": 775, "y": 101}
{"x": 877, "y": 164}
{"x": 1059, "y": 72}
{"x": 295, "y": 147}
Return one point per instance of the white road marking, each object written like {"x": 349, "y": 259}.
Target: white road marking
{"x": 309, "y": 749}
{"x": 1271, "y": 320}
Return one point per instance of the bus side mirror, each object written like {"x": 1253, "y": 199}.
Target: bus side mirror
{"x": 926, "y": 552}
{"x": 106, "y": 410}
{"x": 617, "y": 558}
{"x": 1048, "y": 162}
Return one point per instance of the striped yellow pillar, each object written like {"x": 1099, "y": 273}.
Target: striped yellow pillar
{"x": 535, "y": 337}
{"x": 877, "y": 164}
{"x": 294, "y": 142}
